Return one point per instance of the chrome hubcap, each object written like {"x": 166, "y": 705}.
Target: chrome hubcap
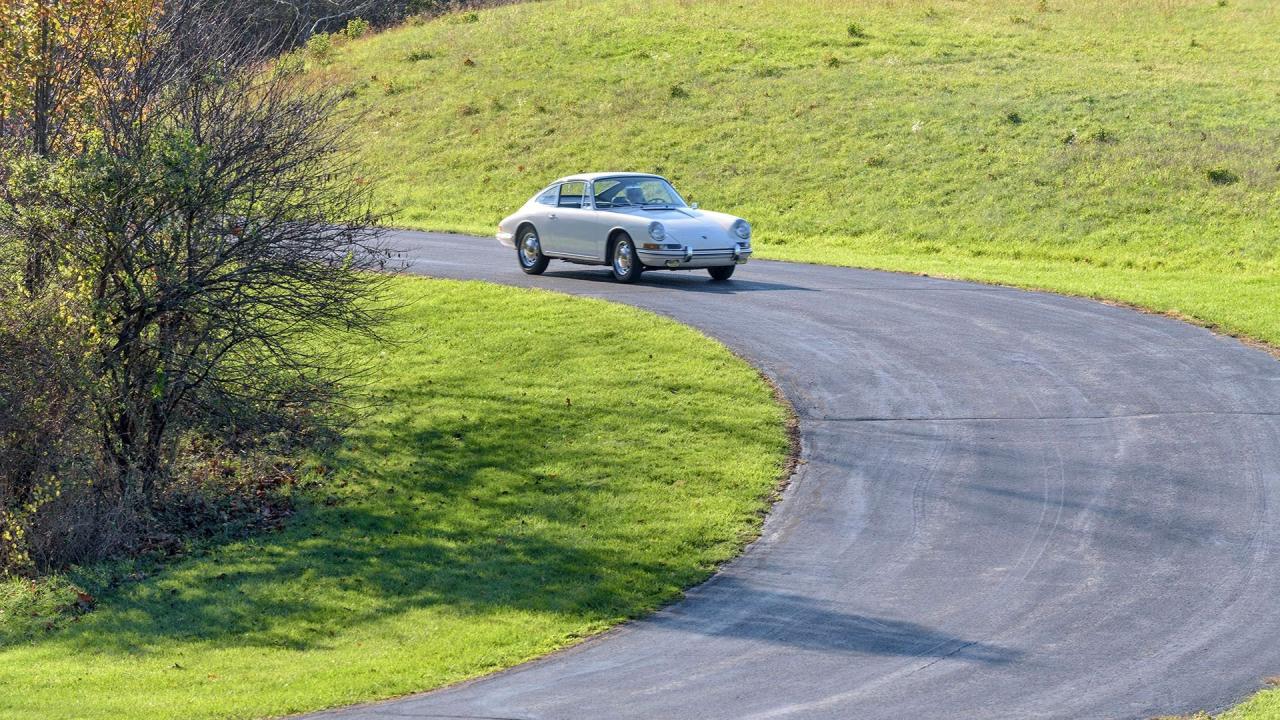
{"x": 622, "y": 258}
{"x": 529, "y": 249}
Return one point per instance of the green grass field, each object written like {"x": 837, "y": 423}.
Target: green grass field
{"x": 1121, "y": 150}
{"x": 538, "y": 468}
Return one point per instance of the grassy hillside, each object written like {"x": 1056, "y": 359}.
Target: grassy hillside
{"x": 1123, "y": 150}
{"x": 514, "y": 493}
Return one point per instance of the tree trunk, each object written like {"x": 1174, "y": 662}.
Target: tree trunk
{"x": 34, "y": 268}
{"x": 43, "y": 96}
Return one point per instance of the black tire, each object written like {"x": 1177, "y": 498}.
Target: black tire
{"x": 529, "y": 252}
{"x": 721, "y": 273}
{"x": 624, "y": 262}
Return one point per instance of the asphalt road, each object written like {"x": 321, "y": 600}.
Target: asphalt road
{"x": 1014, "y": 505}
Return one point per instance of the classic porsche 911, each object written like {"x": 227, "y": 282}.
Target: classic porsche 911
{"x": 631, "y": 222}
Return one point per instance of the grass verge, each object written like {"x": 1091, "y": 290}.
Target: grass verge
{"x": 538, "y": 469}
{"x": 1263, "y": 706}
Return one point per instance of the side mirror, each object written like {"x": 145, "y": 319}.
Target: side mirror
{"x": 694, "y": 206}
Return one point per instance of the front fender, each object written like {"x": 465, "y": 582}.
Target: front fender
{"x": 506, "y": 233}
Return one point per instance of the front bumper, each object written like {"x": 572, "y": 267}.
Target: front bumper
{"x": 688, "y": 258}
{"x": 506, "y": 238}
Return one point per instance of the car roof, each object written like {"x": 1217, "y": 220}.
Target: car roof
{"x": 592, "y": 176}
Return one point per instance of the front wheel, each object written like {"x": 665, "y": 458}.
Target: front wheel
{"x": 626, "y": 264}
{"x": 723, "y": 272}
{"x": 529, "y": 252}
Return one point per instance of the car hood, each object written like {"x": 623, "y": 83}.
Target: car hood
{"x": 687, "y": 223}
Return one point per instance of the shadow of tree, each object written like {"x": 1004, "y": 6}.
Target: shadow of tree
{"x": 808, "y": 623}
{"x": 351, "y": 564}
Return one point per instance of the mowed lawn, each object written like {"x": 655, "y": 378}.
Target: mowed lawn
{"x": 534, "y": 469}
{"x": 1124, "y": 150}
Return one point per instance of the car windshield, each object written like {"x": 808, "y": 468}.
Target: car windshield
{"x": 636, "y": 192}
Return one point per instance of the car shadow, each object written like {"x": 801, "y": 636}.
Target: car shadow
{"x": 685, "y": 281}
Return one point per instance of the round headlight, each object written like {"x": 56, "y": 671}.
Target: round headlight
{"x": 742, "y": 229}
{"x": 656, "y": 231}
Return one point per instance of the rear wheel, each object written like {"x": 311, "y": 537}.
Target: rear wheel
{"x": 723, "y": 272}
{"x": 626, "y": 264}
{"x": 529, "y": 252}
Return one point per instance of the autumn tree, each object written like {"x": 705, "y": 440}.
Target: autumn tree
{"x": 56, "y": 58}
{"x": 48, "y": 49}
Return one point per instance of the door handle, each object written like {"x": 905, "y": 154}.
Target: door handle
{"x": 552, "y": 216}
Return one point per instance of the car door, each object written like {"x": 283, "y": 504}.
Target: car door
{"x": 546, "y": 217}
{"x": 572, "y": 224}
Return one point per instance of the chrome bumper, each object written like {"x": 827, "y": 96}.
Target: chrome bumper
{"x": 688, "y": 257}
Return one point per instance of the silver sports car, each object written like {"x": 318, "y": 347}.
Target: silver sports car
{"x": 631, "y": 222}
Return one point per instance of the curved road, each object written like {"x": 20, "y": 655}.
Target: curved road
{"x": 1014, "y": 505}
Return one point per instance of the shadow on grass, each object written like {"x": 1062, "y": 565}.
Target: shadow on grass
{"x": 470, "y": 514}
{"x": 359, "y": 561}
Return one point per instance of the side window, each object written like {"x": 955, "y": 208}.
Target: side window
{"x": 606, "y": 190}
{"x": 571, "y": 194}
{"x": 548, "y": 197}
